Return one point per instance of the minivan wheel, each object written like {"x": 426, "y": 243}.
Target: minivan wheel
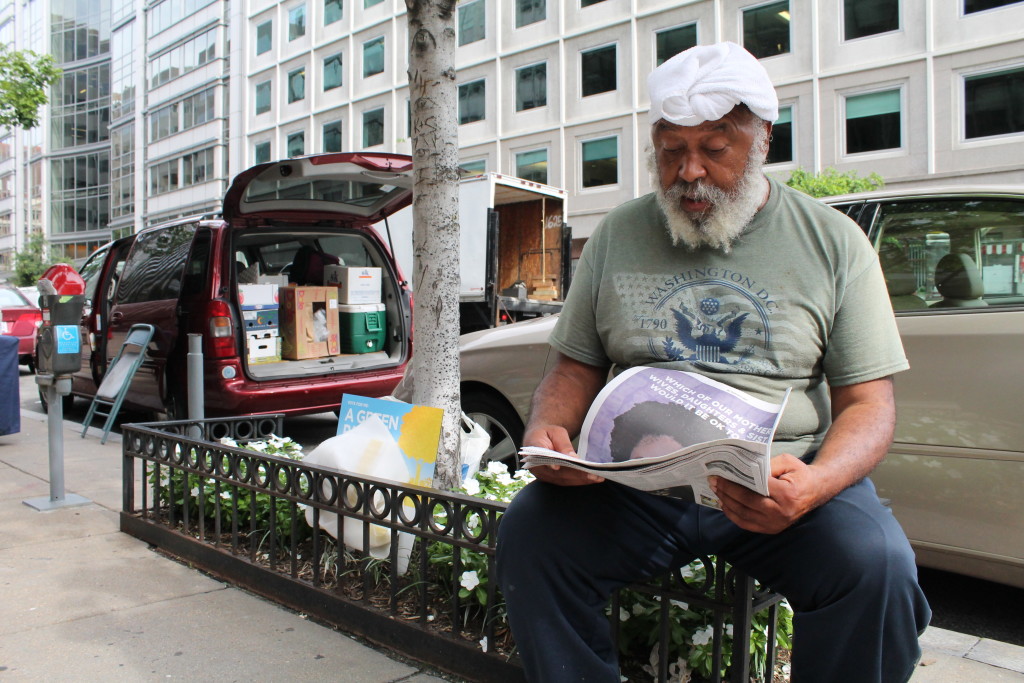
{"x": 496, "y": 416}
{"x": 67, "y": 402}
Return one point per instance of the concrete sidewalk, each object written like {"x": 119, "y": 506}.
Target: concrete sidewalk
{"x": 82, "y": 601}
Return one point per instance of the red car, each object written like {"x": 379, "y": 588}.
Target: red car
{"x": 21, "y": 319}
{"x": 286, "y": 225}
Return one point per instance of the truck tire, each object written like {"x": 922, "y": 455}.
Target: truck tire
{"x": 494, "y": 414}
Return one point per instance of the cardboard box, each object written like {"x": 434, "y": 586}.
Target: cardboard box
{"x": 254, "y": 297}
{"x": 356, "y": 285}
{"x": 361, "y": 327}
{"x": 309, "y": 322}
{"x": 261, "y": 318}
{"x": 262, "y": 347}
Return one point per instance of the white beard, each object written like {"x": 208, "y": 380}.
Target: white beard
{"x": 730, "y": 212}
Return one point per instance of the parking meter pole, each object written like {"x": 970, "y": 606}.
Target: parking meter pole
{"x": 56, "y": 388}
{"x": 194, "y": 366}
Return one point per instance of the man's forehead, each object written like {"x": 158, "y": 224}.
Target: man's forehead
{"x": 730, "y": 123}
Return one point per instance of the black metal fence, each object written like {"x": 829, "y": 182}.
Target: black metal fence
{"x": 256, "y": 520}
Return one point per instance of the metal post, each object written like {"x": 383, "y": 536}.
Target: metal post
{"x": 196, "y": 393}
{"x": 57, "y": 387}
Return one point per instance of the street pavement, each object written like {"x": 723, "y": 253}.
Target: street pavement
{"x": 82, "y": 601}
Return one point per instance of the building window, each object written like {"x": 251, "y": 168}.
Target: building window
{"x": 373, "y": 127}
{"x": 332, "y": 11}
{"x": 471, "y": 168}
{"x": 873, "y": 122}
{"x": 992, "y": 104}
{"x": 471, "y": 102}
{"x": 532, "y": 86}
{"x": 533, "y": 165}
{"x": 197, "y": 168}
{"x": 780, "y": 148}
{"x": 332, "y": 72}
{"x": 870, "y": 17}
{"x": 530, "y": 12}
{"x": 371, "y": 3}
{"x": 163, "y": 122}
{"x": 332, "y": 136}
{"x": 198, "y": 109}
{"x": 264, "y": 37}
{"x": 588, "y": 3}
{"x": 163, "y": 177}
{"x": 297, "y": 22}
{"x": 600, "y": 162}
{"x": 297, "y": 85}
{"x": 261, "y": 153}
{"x": 598, "y": 70}
{"x": 972, "y": 6}
{"x": 471, "y": 22}
{"x": 183, "y": 59}
{"x": 672, "y": 41}
{"x": 373, "y": 57}
{"x": 296, "y": 144}
{"x": 766, "y": 29}
{"x": 262, "y": 97}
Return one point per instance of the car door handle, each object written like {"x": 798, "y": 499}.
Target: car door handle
{"x": 116, "y": 317}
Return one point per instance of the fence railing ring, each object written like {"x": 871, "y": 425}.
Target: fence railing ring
{"x": 380, "y": 501}
{"x": 465, "y": 515}
{"x": 409, "y": 501}
{"x": 352, "y": 493}
{"x": 447, "y": 509}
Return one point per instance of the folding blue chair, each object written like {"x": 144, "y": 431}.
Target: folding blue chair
{"x": 118, "y": 378}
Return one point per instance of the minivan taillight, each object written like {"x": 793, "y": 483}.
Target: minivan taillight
{"x": 220, "y": 341}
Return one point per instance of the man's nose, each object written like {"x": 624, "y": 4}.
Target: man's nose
{"x": 691, "y": 168}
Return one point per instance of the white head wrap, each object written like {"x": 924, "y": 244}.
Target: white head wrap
{"x": 705, "y": 82}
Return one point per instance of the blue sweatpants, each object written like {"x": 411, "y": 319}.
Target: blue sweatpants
{"x": 846, "y": 569}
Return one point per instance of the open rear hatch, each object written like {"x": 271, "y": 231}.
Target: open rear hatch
{"x": 318, "y": 292}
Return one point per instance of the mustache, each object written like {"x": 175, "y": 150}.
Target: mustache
{"x": 698, "y": 191}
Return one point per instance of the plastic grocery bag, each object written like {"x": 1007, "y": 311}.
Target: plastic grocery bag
{"x": 473, "y": 443}
{"x": 367, "y": 449}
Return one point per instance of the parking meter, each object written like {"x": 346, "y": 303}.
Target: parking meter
{"x": 58, "y": 345}
{"x": 58, "y": 355}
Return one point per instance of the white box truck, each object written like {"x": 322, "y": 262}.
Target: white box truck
{"x": 515, "y": 260}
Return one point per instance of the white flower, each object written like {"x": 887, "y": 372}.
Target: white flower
{"x": 504, "y": 478}
{"x": 472, "y": 487}
{"x": 228, "y": 441}
{"x": 473, "y": 522}
{"x": 680, "y": 604}
{"x": 495, "y": 468}
{"x": 702, "y": 636}
{"x": 195, "y": 492}
{"x": 258, "y": 446}
{"x": 524, "y": 475}
{"x": 226, "y": 495}
{"x": 638, "y": 609}
{"x": 483, "y": 643}
{"x": 623, "y": 614}
{"x": 469, "y": 581}
{"x": 728, "y": 630}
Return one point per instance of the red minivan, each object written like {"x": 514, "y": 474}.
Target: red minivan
{"x": 189, "y": 276}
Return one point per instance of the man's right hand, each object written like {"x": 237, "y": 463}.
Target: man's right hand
{"x": 557, "y": 439}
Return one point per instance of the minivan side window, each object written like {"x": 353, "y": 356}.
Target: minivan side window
{"x": 155, "y": 267}
{"x": 952, "y": 253}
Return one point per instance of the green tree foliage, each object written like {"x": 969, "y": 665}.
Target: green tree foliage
{"x": 831, "y": 182}
{"x": 24, "y": 79}
{"x": 30, "y": 262}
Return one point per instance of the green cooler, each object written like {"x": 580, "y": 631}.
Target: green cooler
{"x": 361, "y": 327}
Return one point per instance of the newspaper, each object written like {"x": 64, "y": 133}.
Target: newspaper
{"x": 666, "y": 431}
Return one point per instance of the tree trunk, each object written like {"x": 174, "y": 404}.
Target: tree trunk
{"x": 435, "y": 151}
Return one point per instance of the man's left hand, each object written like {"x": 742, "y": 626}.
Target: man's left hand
{"x": 794, "y": 489}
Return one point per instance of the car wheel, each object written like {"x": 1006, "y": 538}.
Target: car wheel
{"x": 67, "y": 402}
{"x": 502, "y": 423}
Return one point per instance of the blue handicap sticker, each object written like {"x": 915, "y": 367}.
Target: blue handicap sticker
{"x": 67, "y": 338}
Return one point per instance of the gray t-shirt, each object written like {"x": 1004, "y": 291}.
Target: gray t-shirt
{"x": 799, "y": 302}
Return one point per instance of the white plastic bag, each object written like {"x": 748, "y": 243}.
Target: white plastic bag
{"x": 473, "y": 443}
{"x": 367, "y": 449}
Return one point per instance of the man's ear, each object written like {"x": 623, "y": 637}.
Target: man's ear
{"x": 768, "y": 138}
